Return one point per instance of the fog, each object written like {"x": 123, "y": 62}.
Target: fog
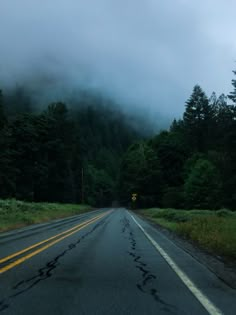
{"x": 145, "y": 54}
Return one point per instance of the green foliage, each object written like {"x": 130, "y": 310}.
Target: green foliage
{"x": 202, "y": 186}
{"x": 99, "y": 187}
{"x": 217, "y": 234}
{"x": 224, "y": 213}
{"x": 173, "y": 197}
{"x": 171, "y": 151}
{"x": 232, "y": 94}
{"x": 178, "y": 216}
{"x": 140, "y": 174}
{"x": 198, "y": 120}
{"x": 2, "y": 114}
{"x": 218, "y": 228}
{"x": 44, "y": 153}
{"x": 197, "y": 108}
{"x": 17, "y": 101}
{"x": 14, "y": 214}
{"x": 196, "y": 157}
{"x": 91, "y": 153}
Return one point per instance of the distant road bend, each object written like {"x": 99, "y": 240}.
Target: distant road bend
{"x": 108, "y": 261}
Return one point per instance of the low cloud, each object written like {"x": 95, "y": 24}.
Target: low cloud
{"x": 145, "y": 54}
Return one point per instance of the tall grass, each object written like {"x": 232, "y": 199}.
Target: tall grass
{"x": 14, "y": 213}
{"x": 214, "y": 231}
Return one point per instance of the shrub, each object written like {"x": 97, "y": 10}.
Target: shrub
{"x": 173, "y": 198}
{"x": 224, "y": 213}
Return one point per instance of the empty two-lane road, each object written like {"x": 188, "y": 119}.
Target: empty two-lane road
{"x": 104, "y": 262}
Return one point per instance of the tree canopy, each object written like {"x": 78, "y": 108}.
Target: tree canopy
{"x": 90, "y": 152}
{"x": 195, "y": 158}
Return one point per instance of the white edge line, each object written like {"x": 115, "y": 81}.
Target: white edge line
{"x": 206, "y": 303}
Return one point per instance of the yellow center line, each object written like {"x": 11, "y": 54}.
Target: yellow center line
{"x": 72, "y": 231}
{"x": 44, "y": 241}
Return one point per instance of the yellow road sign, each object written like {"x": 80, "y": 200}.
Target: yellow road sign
{"x": 134, "y": 197}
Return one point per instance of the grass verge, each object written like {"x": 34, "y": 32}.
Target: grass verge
{"x": 214, "y": 231}
{"x": 15, "y": 214}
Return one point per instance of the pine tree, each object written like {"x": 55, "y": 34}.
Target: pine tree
{"x": 222, "y": 100}
{"x": 140, "y": 173}
{"x": 197, "y": 109}
{"x": 232, "y": 94}
{"x": 198, "y": 118}
{"x": 213, "y": 99}
{"x": 2, "y": 114}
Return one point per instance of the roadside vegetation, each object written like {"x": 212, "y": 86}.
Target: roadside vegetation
{"x": 15, "y": 214}
{"x": 214, "y": 231}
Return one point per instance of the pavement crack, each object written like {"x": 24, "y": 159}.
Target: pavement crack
{"x": 137, "y": 259}
{"x": 44, "y": 272}
{"x": 125, "y": 223}
{"x": 144, "y": 271}
{"x": 145, "y": 285}
{"x": 148, "y": 278}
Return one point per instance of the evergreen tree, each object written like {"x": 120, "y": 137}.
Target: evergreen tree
{"x": 202, "y": 187}
{"x": 2, "y": 113}
{"x": 140, "y": 174}
{"x": 213, "y": 99}
{"x": 197, "y": 107}
{"x": 198, "y": 120}
{"x": 232, "y": 94}
{"x": 222, "y": 100}
{"x": 172, "y": 152}
{"x": 17, "y": 101}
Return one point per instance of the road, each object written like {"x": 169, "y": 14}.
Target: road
{"x": 105, "y": 262}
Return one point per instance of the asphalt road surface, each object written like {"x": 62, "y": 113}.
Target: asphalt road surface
{"x": 105, "y": 262}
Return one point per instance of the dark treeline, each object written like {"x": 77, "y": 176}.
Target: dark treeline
{"x": 60, "y": 154}
{"x": 193, "y": 165}
{"x": 90, "y": 153}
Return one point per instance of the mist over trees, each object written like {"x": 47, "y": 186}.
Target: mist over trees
{"x": 195, "y": 159}
{"x": 61, "y": 154}
{"x": 92, "y": 153}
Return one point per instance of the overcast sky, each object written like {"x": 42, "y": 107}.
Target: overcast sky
{"x": 146, "y": 53}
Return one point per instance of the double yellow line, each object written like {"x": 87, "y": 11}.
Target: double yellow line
{"x": 49, "y": 242}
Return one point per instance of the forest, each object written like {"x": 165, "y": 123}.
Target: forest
{"x": 190, "y": 166}
{"x": 91, "y": 153}
{"x": 61, "y": 154}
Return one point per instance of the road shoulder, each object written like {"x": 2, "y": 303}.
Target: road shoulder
{"x": 225, "y": 271}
